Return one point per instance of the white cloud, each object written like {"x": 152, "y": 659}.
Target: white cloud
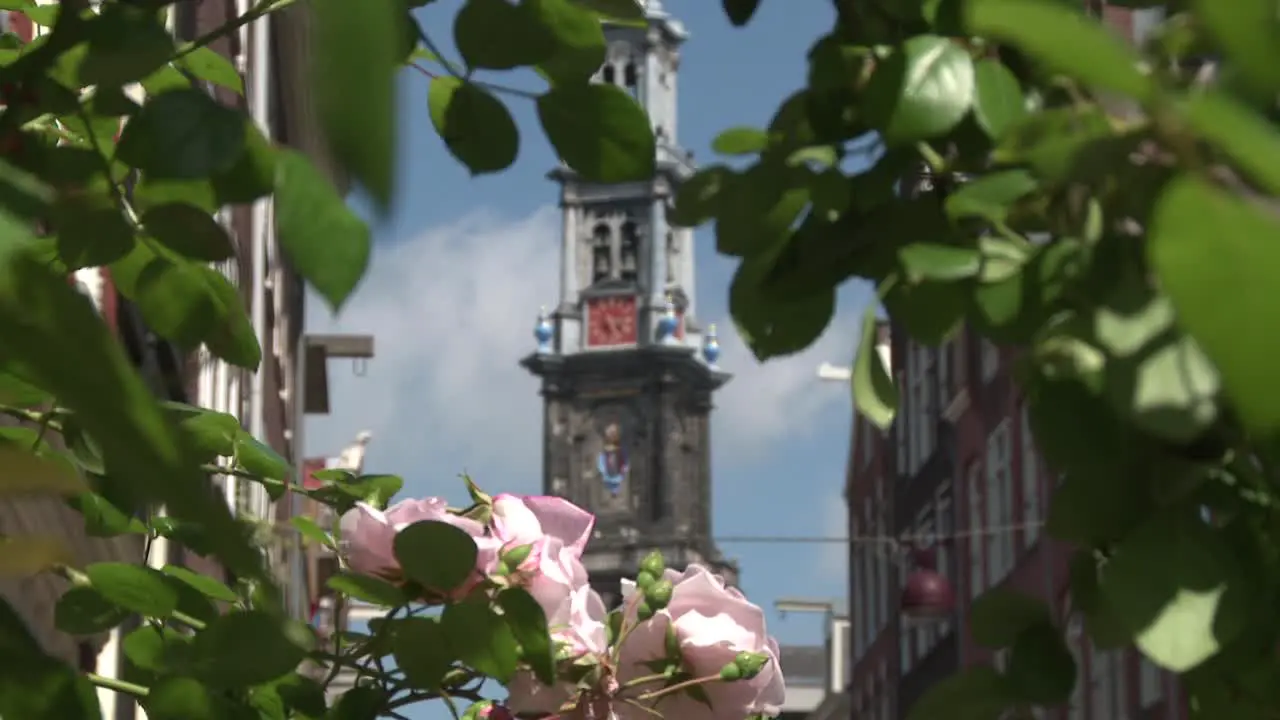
{"x": 452, "y": 311}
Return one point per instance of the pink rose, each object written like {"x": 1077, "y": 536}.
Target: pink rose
{"x": 368, "y": 537}
{"x": 523, "y": 520}
{"x": 577, "y": 626}
{"x": 712, "y": 623}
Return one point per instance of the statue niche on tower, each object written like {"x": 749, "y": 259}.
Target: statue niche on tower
{"x": 612, "y": 465}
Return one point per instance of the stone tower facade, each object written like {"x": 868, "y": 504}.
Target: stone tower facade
{"x": 627, "y": 371}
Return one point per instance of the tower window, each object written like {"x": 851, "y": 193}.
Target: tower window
{"x": 601, "y": 253}
{"x": 629, "y": 78}
{"x": 609, "y": 74}
{"x": 672, "y": 251}
{"x": 629, "y": 251}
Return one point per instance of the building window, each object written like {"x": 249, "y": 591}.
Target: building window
{"x": 869, "y": 572}
{"x": 868, "y": 441}
{"x": 990, "y": 360}
{"x": 1102, "y": 672}
{"x": 860, "y": 590}
{"x": 925, "y": 540}
{"x": 922, "y": 415}
{"x": 884, "y": 692}
{"x": 608, "y": 74}
{"x": 904, "y": 644}
{"x": 631, "y": 79}
{"x": 999, "y": 503}
{"x": 973, "y": 489}
{"x": 882, "y": 567}
{"x": 901, "y": 428}
{"x": 946, "y": 529}
{"x": 1075, "y": 632}
{"x": 1030, "y": 480}
{"x": 672, "y": 255}
{"x": 1150, "y": 683}
{"x": 601, "y": 253}
{"x": 629, "y": 251}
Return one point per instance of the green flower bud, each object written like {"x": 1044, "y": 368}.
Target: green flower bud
{"x": 477, "y": 710}
{"x": 653, "y": 564}
{"x": 731, "y": 672}
{"x": 658, "y": 594}
{"x": 644, "y": 612}
{"x": 645, "y": 579}
{"x": 750, "y": 663}
{"x": 673, "y": 644}
{"x": 515, "y": 556}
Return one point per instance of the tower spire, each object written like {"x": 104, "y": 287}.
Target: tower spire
{"x": 627, "y": 370}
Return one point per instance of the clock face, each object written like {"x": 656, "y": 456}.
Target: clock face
{"x": 611, "y": 321}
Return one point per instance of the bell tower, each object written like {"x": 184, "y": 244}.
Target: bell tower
{"x": 627, "y": 370}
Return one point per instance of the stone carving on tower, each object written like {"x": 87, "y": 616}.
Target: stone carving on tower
{"x": 627, "y": 370}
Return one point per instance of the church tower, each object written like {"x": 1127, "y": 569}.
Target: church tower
{"x": 627, "y": 370}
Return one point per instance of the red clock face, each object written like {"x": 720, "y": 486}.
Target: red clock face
{"x": 611, "y": 321}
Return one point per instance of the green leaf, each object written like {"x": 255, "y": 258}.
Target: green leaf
{"x": 475, "y": 125}
{"x": 932, "y": 261}
{"x": 156, "y": 649}
{"x": 126, "y": 44}
{"x": 481, "y": 639}
{"x": 1041, "y": 669}
{"x": 599, "y": 131}
{"x": 998, "y": 102}
{"x": 577, "y": 38}
{"x": 1065, "y": 39}
{"x": 246, "y": 648}
{"x": 775, "y": 327}
{"x": 758, "y": 210}
{"x": 188, "y": 230}
{"x": 207, "y": 586}
{"x": 874, "y": 394}
{"x": 357, "y": 100}
{"x": 61, "y": 343}
{"x": 627, "y": 10}
{"x": 1100, "y": 621}
{"x": 38, "y": 687}
{"x": 529, "y": 625}
{"x": 1051, "y": 141}
{"x": 990, "y": 196}
{"x": 260, "y": 459}
{"x": 232, "y": 337}
{"x": 182, "y": 135}
{"x": 209, "y": 65}
{"x": 1179, "y": 589}
{"x": 91, "y": 232}
{"x": 367, "y": 589}
{"x": 1246, "y": 30}
{"x": 436, "y": 555}
{"x": 499, "y": 35}
{"x": 1236, "y": 130}
{"x": 740, "y": 141}
{"x": 308, "y": 529}
{"x": 1000, "y": 614}
{"x": 148, "y": 193}
{"x": 184, "y": 698}
{"x": 84, "y": 611}
{"x": 253, "y": 175}
{"x": 923, "y": 90}
{"x": 134, "y": 587}
{"x": 421, "y": 651}
{"x": 376, "y": 490}
{"x": 213, "y": 433}
{"x": 739, "y": 12}
{"x": 976, "y": 693}
{"x": 1211, "y": 252}
{"x": 325, "y": 241}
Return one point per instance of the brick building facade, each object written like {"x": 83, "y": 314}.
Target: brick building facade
{"x": 960, "y": 464}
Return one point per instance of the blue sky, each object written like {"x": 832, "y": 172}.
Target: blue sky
{"x": 462, "y": 265}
